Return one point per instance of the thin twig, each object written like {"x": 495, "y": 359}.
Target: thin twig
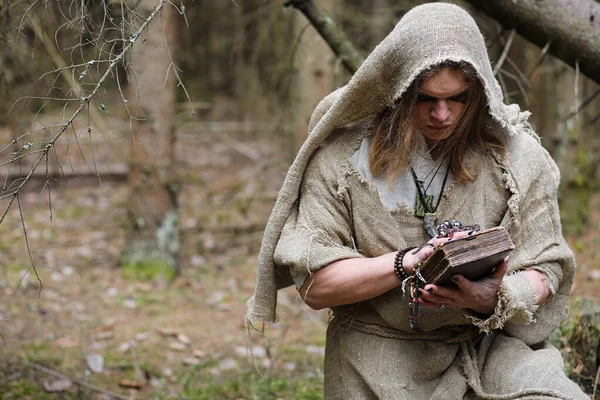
{"x": 32, "y": 265}
{"x": 84, "y": 101}
{"x": 60, "y": 375}
{"x": 576, "y": 88}
{"x": 583, "y": 105}
{"x": 504, "y": 52}
{"x": 540, "y": 58}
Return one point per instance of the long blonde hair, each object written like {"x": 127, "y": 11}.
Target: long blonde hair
{"x": 396, "y": 134}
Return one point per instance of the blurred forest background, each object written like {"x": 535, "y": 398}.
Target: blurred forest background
{"x": 142, "y": 145}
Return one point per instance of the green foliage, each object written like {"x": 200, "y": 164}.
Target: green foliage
{"x": 579, "y": 342}
{"x": 575, "y": 210}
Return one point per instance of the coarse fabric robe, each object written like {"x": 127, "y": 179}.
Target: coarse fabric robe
{"x": 326, "y": 211}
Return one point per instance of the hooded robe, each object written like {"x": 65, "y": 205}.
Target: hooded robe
{"x": 327, "y": 210}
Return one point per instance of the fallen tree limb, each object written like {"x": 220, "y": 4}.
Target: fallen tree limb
{"x": 60, "y": 375}
{"x": 572, "y": 26}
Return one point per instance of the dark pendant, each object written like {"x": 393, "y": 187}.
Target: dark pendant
{"x": 429, "y": 222}
{"x": 420, "y": 208}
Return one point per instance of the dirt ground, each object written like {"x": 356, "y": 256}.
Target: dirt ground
{"x": 151, "y": 333}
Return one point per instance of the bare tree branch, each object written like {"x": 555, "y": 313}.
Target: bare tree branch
{"x": 573, "y": 26}
{"x": 504, "y": 52}
{"x": 60, "y": 375}
{"x": 331, "y": 33}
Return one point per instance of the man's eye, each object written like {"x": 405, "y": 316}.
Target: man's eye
{"x": 461, "y": 98}
{"x": 422, "y": 98}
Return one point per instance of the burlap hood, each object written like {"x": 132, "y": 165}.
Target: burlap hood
{"x": 425, "y": 36}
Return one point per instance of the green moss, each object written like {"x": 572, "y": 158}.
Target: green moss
{"x": 41, "y": 353}
{"x": 150, "y": 269}
{"x": 21, "y": 389}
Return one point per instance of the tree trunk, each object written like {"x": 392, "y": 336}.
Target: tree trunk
{"x": 573, "y": 26}
{"x": 153, "y": 243}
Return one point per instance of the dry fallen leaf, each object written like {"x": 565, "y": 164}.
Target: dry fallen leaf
{"x": 131, "y": 384}
{"x": 67, "y": 342}
{"x": 167, "y": 332}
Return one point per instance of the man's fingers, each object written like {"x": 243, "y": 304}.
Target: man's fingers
{"x": 501, "y": 269}
{"x": 429, "y": 304}
{"x": 463, "y": 283}
{"x": 439, "y": 295}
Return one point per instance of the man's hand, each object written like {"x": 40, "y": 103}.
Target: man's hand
{"x": 480, "y": 296}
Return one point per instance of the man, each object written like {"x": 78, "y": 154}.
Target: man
{"x": 421, "y": 133}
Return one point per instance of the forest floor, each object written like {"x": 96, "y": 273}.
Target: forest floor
{"x": 100, "y": 330}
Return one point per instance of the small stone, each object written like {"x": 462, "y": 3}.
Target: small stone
{"x": 84, "y": 251}
{"x": 140, "y": 337}
{"x": 240, "y": 351}
{"x": 226, "y": 364}
{"x": 105, "y": 335}
{"x": 123, "y": 347}
{"x": 168, "y": 372}
{"x": 257, "y": 351}
{"x": 216, "y": 297}
{"x": 112, "y": 292}
{"x": 177, "y": 346}
{"x": 190, "y": 361}
{"x": 197, "y": 260}
{"x": 290, "y": 366}
{"x": 59, "y": 385}
{"x": 155, "y": 382}
{"x": 129, "y": 303}
{"x": 68, "y": 270}
{"x": 57, "y": 276}
{"x": 210, "y": 243}
{"x": 98, "y": 346}
{"x": 95, "y": 363}
{"x": 266, "y": 363}
{"x": 184, "y": 339}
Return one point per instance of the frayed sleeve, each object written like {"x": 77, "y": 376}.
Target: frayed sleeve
{"x": 534, "y": 224}
{"x": 318, "y": 230}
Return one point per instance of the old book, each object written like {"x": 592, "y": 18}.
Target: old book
{"x": 473, "y": 257}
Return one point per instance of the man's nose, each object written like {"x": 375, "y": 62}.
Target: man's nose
{"x": 440, "y": 111}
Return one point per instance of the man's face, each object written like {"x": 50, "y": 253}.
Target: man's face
{"x": 440, "y": 103}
